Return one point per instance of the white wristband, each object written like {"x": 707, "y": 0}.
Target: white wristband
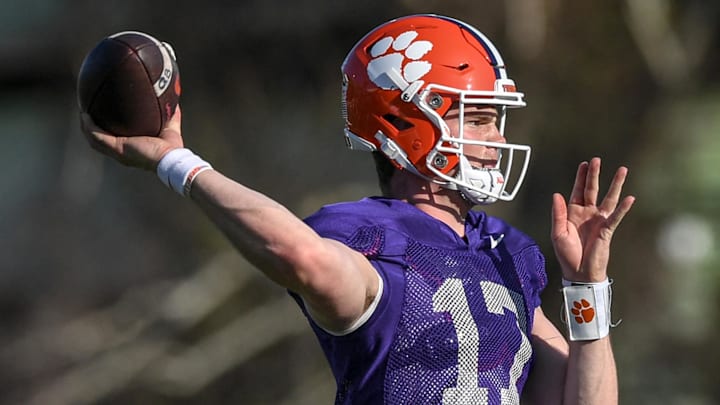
{"x": 587, "y": 309}
{"x": 179, "y": 167}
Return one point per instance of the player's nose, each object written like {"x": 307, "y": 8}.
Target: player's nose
{"x": 494, "y": 135}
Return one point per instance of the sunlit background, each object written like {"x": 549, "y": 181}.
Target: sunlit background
{"x": 114, "y": 290}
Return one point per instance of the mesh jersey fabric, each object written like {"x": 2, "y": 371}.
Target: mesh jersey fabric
{"x": 453, "y": 322}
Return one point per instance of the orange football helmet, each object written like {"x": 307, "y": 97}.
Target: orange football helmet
{"x": 403, "y": 77}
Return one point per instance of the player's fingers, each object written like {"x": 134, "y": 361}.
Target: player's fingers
{"x": 98, "y": 140}
{"x": 106, "y": 140}
{"x": 86, "y": 123}
{"x": 613, "y": 195}
{"x": 576, "y": 196}
{"x": 592, "y": 182}
{"x": 613, "y": 221}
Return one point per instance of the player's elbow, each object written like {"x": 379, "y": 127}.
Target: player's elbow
{"x": 301, "y": 266}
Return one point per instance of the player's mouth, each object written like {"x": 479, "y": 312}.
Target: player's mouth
{"x": 484, "y": 163}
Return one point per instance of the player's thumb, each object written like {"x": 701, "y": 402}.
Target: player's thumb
{"x": 559, "y": 216}
{"x": 172, "y": 132}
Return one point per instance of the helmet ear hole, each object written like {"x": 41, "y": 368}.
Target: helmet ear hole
{"x": 397, "y": 122}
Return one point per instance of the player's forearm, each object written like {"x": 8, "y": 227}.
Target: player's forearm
{"x": 591, "y": 375}
{"x": 264, "y": 231}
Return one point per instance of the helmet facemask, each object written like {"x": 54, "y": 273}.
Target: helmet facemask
{"x": 476, "y": 184}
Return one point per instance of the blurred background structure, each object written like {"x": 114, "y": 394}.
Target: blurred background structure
{"x": 114, "y": 290}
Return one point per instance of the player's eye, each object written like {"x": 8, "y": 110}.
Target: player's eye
{"x": 480, "y": 120}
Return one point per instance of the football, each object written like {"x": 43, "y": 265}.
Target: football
{"x": 129, "y": 84}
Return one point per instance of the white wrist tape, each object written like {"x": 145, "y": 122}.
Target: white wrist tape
{"x": 179, "y": 167}
{"x": 587, "y": 309}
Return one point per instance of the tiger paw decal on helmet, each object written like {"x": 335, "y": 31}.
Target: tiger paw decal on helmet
{"x": 392, "y": 54}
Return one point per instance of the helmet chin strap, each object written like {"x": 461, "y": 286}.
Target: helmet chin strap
{"x": 486, "y": 182}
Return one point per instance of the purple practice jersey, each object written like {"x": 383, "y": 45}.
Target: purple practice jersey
{"x": 453, "y": 322}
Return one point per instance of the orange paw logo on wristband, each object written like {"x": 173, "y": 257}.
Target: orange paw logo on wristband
{"x": 583, "y": 311}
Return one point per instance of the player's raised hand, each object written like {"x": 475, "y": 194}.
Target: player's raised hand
{"x": 137, "y": 151}
{"x": 581, "y": 229}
